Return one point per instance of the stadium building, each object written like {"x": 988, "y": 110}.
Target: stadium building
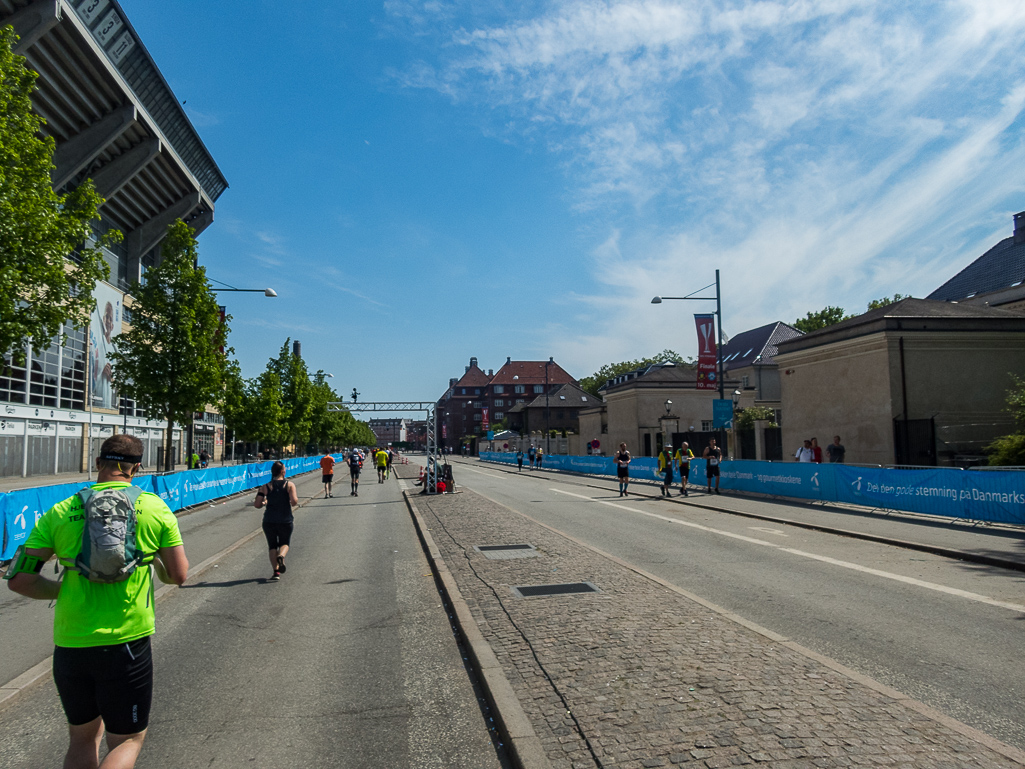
{"x": 115, "y": 120}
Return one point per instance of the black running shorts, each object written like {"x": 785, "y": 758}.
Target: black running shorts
{"x": 712, "y": 471}
{"x": 622, "y": 472}
{"x": 115, "y": 682}
{"x": 328, "y": 478}
{"x": 354, "y": 471}
{"x": 668, "y": 479}
{"x": 278, "y": 534}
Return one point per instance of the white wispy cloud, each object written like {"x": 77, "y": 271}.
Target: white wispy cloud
{"x": 817, "y": 151}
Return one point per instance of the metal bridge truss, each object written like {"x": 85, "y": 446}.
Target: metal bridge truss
{"x": 431, "y": 478}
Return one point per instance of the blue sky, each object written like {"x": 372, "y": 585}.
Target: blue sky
{"x": 422, "y": 182}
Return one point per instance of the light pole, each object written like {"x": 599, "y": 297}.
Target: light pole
{"x": 548, "y": 412}
{"x": 733, "y": 422}
{"x": 718, "y": 313}
{"x": 225, "y": 288}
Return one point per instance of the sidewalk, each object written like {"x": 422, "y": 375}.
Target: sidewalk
{"x": 643, "y": 675}
{"x": 990, "y": 544}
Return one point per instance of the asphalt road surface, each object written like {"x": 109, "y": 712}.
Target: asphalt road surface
{"x": 348, "y": 661}
{"x": 945, "y": 632}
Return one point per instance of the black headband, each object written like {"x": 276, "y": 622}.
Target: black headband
{"x": 134, "y": 459}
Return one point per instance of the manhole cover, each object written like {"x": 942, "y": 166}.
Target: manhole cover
{"x": 502, "y": 552}
{"x": 528, "y": 591}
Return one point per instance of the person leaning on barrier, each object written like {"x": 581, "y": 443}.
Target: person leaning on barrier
{"x": 102, "y": 661}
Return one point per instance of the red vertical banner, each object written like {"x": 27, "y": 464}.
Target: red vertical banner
{"x": 484, "y": 418}
{"x": 708, "y": 376}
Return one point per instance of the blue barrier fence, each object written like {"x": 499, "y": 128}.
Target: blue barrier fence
{"x": 19, "y": 510}
{"x": 994, "y": 497}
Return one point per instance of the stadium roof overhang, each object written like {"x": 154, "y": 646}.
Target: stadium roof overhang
{"x": 114, "y": 119}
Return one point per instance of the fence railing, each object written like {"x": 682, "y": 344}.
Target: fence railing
{"x": 951, "y": 492}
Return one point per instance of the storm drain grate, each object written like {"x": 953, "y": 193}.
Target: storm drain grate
{"x": 568, "y": 588}
{"x": 503, "y": 552}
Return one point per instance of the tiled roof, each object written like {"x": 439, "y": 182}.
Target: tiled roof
{"x": 1002, "y": 266}
{"x": 531, "y": 372}
{"x": 473, "y": 378}
{"x": 567, "y": 396}
{"x": 743, "y": 349}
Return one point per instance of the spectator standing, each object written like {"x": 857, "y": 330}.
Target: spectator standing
{"x": 713, "y": 456}
{"x": 816, "y": 451}
{"x": 683, "y": 457}
{"x": 102, "y": 661}
{"x": 805, "y": 453}
{"x": 835, "y": 450}
{"x": 279, "y": 496}
{"x": 327, "y": 473}
{"x": 540, "y": 456}
{"x": 204, "y": 458}
{"x": 531, "y": 453}
{"x": 519, "y": 459}
{"x": 622, "y": 459}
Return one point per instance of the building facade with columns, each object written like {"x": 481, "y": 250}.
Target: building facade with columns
{"x": 114, "y": 120}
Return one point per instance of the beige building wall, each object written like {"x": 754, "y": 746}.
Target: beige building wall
{"x": 854, "y": 388}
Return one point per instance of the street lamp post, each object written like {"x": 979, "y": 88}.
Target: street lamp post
{"x": 733, "y": 422}
{"x": 718, "y": 313}
{"x": 548, "y": 413}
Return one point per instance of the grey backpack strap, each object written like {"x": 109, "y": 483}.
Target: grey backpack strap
{"x": 133, "y": 493}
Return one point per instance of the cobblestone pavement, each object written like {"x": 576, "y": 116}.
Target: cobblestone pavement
{"x": 640, "y": 676}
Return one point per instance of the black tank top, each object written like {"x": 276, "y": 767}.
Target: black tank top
{"x": 279, "y": 506}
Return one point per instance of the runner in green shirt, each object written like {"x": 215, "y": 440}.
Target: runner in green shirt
{"x": 102, "y": 663}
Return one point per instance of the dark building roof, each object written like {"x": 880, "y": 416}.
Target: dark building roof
{"x": 912, "y": 315}
{"x": 744, "y": 349}
{"x": 569, "y": 396}
{"x": 1001, "y": 267}
{"x": 655, "y": 375}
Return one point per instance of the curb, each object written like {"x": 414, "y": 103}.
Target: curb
{"x": 960, "y": 555}
{"x": 11, "y": 691}
{"x": 524, "y": 745}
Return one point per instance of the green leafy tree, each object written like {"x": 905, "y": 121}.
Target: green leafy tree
{"x": 827, "y": 316}
{"x": 591, "y": 383}
{"x": 1010, "y": 449}
{"x": 875, "y": 304}
{"x": 40, "y": 289}
{"x": 297, "y": 396}
{"x": 746, "y": 418}
{"x": 171, "y": 360}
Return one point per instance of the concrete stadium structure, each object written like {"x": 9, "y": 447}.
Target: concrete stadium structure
{"x": 116, "y": 121}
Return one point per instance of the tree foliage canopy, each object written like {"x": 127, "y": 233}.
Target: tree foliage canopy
{"x": 40, "y": 289}
{"x": 171, "y": 360}
{"x": 1010, "y": 449}
{"x": 610, "y": 370}
{"x": 885, "y": 301}
{"x": 827, "y": 316}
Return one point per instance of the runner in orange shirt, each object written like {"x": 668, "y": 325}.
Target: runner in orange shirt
{"x": 327, "y": 470}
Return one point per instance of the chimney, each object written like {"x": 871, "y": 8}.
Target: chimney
{"x": 297, "y": 349}
{"x": 1019, "y": 227}
{"x": 508, "y": 360}
{"x": 473, "y": 362}
{"x": 452, "y": 382}
{"x": 491, "y": 372}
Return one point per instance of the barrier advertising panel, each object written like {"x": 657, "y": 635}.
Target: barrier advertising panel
{"x": 19, "y": 510}
{"x": 991, "y": 496}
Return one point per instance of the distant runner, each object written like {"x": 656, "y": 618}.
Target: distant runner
{"x": 355, "y": 465}
{"x": 665, "y": 466}
{"x": 622, "y": 458}
{"x": 327, "y": 471}
{"x": 683, "y": 458}
{"x": 381, "y": 460}
{"x": 279, "y": 496}
{"x": 712, "y": 455}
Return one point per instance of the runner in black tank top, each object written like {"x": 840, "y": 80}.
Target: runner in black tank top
{"x": 279, "y": 497}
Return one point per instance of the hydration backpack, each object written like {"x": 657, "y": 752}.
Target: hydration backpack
{"x": 110, "y": 552}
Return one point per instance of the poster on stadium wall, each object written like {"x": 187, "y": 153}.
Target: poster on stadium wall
{"x": 707, "y": 375}
{"x": 104, "y": 325}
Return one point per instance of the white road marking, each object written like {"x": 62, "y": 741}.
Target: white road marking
{"x": 777, "y": 532}
{"x": 481, "y": 472}
{"x": 824, "y": 559}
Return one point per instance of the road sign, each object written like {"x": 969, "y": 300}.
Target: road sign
{"x": 722, "y": 414}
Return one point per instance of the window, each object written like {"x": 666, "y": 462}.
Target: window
{"x": 706, "y": 425}
{"x": 499, "y": 389}
{"x": 745, "y": 382}
{"x": 539, "y": 389}
{"x": 476, "y": 418}
{"x": 519, "y": 400}
{"x": 779, "y": 416}
{"x": 477, "y": 404}
{"x": 476, "y": 391}
{"x": 519, "y": 389}
{"x": 463, "y": 391}
{"x": 499, "y": 416}
{"x": 499, "y": 402}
